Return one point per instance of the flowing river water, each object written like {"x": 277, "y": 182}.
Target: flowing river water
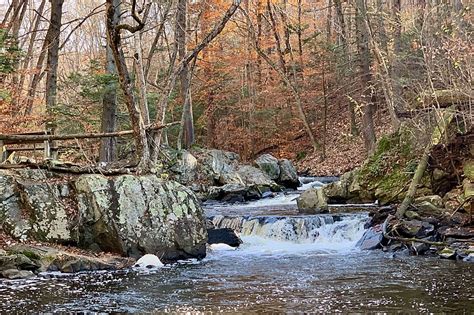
{"x": 287, "y": 263}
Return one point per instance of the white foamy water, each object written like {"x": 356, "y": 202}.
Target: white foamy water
{"x": 273, "y": 235}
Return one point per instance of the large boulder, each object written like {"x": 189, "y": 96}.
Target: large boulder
{"x": 312, "y": 201}
{"x": 371, "y": 239}
{"x": 269, "y": 164}
{"x": 137, "y": 215}
{"x": 130, "y": 215}
{"x": 288, "y": 175}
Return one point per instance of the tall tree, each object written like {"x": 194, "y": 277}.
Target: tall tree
{"x": 186, "y": 136}
{"x": 114, "y": 38}
{"x": 107, "y": 152}
{"x": 52, "y": 43}
{"x": 367, "y": 93}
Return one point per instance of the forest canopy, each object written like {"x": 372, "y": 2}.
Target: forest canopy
{"x": 304, "y": 79}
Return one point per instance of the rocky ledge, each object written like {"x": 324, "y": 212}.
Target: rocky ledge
{"x": 25, "y": 261}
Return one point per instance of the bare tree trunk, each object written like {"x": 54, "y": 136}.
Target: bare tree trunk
{"x": 281, "y": 58}
{"x": 186, "y": 135}
{"x": 108, "y": 146}
{"x": 163, "y": 101}
{"x": 368, "y": 130}
{"x": 397, "y": 50}
{"x": 31, "y": 45}
{"x": 136, "y": 118}
{"x": 15, "y": 29}
{"x": 346, "y": 68}
{"x": 52, "y": 40}
{"x": 140, "y": 80}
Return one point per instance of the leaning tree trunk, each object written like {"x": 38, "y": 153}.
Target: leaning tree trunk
{"x": 438, "y": 133}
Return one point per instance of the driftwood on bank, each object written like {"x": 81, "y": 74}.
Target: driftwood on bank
{"x": 34, "y": 138}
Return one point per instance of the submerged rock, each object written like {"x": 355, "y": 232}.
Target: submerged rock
{"x": 223, "y": 236}
{"x": 221, "y": 247}
{"x": 35, "y": 258}
{"x": 447, "y": 253}
{"x": 13, "y": 274}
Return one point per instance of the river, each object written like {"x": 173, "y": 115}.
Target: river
{"x": 287, "y": 263}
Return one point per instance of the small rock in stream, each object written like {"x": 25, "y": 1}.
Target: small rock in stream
{"x": 223, "y": 236}
{"x": 371, "y": 238}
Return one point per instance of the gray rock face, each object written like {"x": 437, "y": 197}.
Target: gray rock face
{"x": 269, "y": 164}
{"x": 230, "y": 181}
{"x": 130, "y": 215}
{"x": 36, "y": 207}
{"x": 17, "y": 274}
{"x": 33, "y": 258}
{"x": 312, "y": 201}
{"x": 136, "y": 215}
{"x": 371, "y": 239}
{"x": 288, "y": 176}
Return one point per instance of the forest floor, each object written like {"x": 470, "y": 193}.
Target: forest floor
{"x": 344, "y": 151}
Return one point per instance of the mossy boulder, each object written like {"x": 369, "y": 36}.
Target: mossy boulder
{"x": 386, "y": 175}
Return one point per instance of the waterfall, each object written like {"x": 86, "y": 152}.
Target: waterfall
{"x": 339, "y": 229}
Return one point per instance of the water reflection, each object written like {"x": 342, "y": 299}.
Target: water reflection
{"x": 310, "y": 282}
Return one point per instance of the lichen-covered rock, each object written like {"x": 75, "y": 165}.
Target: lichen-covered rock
{"x": 253, "y": 176}
{"x": 130, "y": 215}
{"x": 217, "y": 162}
{"x": 269, "y": 164}
{"x": 312, "y": 201}
{"x": 136, "y": 215}
{"x": 288, "y": 175}
{"x": 35, "y": 204}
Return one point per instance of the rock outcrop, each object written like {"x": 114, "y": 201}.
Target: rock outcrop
{"x": 217, "y": 174}
{"x": 269, "y": 164}
{"x": 129, "y": 215}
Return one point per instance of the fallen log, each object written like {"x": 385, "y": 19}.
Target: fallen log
{"x": 32, "y": 138}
